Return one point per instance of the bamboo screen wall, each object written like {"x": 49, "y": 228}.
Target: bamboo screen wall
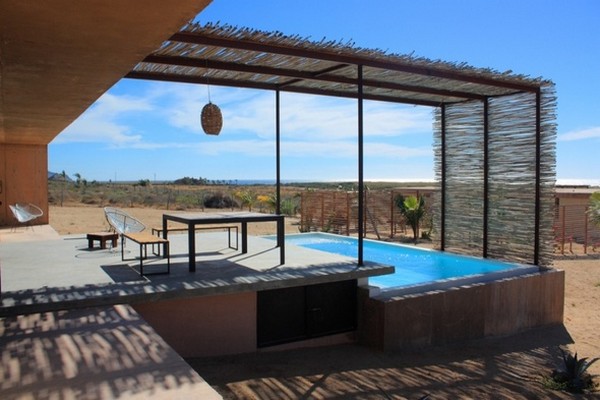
{"x": 464, "y": 178}
{"x": 491, "y": 176}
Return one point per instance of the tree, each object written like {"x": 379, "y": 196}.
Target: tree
{"x": 62, "y": 191}
{"x": 78, "y": 182}
{"x": 413, "y": 210}
{"x": 246, "y": 198}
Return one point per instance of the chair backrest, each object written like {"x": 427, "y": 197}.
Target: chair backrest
{"x": 26, "y": 212}
{"x": 122, "y": 222}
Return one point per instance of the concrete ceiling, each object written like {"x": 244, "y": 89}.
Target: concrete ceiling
{"x": 58, "y": 56}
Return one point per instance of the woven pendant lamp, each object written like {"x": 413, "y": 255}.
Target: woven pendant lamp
{"x": 211, "y": 118}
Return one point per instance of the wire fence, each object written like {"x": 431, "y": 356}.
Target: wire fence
{"x": 337, "y": 212}
{"x": 574, "y": 233}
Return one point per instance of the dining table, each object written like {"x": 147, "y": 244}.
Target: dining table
{"x": 194, "y": 219}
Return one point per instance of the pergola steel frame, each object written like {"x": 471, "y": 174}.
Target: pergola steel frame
{"x": 258, "y": 60}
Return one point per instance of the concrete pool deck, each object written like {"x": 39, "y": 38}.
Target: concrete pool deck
{"x": 52, "y": 272}
{"x": 54, "y": 316}
{"x": 68, "y": 328}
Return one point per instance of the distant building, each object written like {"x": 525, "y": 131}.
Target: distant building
{"x": 571, "y": 222}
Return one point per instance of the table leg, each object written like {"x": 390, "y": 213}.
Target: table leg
{"x": 244, "y": 237}
{"x": 281, "y": 239}
{"x": 165, "y": 233}
{"x": 192, "y": 246}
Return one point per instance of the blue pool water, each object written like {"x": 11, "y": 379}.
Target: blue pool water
{"x": 414, "y": 266}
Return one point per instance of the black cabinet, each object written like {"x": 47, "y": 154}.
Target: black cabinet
{"x": 297, "y": 313}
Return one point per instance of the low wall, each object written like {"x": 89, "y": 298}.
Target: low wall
{"x": 495, "y": 308}
{"x": 205, "y": 326}
{"x": 208, "y": 326}
{"x": 226, "y": 324}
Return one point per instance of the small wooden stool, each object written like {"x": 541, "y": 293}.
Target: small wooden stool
{"x": 102, "y": 237}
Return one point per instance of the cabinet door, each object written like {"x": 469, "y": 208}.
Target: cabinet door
{"x": 331, "y": 308}
{"x": 280, "y": 316}
{"x": 292, "y": 314}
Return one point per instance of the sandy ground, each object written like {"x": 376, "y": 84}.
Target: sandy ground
{"x": 493, "y": 368}
{"x": 81, "y": 219}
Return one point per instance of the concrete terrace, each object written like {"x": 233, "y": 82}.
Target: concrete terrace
{"x": 56, "y": 272}
{"x": 68, "y": 326}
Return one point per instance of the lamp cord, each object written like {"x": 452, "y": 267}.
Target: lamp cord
{"x": 207, "y": 83}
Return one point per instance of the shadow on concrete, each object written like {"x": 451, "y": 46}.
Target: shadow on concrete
{"x": 97, "y": 353}
{"x": 494, "y": 368}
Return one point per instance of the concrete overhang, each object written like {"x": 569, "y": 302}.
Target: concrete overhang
{"x": 59, "y": 56}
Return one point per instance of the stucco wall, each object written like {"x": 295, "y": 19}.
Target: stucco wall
{"x": 205, "y": 326}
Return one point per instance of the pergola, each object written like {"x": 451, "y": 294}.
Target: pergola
{"x": 494, "y": 132}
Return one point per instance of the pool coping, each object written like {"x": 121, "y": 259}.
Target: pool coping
{"x": 375, "y": 291}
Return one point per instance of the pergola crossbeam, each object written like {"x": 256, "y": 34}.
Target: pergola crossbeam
{"x": 258, "y": 47}
{"x": 323, "y": 75}
{"x": 272, "y": 86}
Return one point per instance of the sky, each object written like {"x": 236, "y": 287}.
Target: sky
{"x": 151, "y": 130}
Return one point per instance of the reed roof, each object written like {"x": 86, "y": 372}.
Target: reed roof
{"x": 242, "y": 57}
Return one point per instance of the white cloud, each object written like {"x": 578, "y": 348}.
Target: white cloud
{"x": 98, "y": 123}
{"x": 318, "y": 118}
{"x": 243, "y": 110}
{"x": 395, "y": 151}
{"x": 303, "y": 149}
{"x": 256, "y": 148}
{"x": 348, "y": 149}
{"x": 310, "y": 125}
{"x": 583, "y": 134}
{"x": 577, "y": 182}
{"x": 303, "y": 117}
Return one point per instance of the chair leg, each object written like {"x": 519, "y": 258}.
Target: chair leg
{"x": 141, "y": 261}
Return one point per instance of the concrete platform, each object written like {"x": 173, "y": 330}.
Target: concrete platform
{"x": 68, "y": 327}
{"x": 62, "y": 273}
{"x": 28, "y": 234}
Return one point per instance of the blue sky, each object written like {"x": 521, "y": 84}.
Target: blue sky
{"x": 151, "y": 130}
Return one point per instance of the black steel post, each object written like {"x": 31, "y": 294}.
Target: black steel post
{"x": 538, "y": 152}
{"x": 277, "y": 153}
{"x": 360, "y": 166}
{"x": 486, "y": 170}
{"x": 443, "y": 179}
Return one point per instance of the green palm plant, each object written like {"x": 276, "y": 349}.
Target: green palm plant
{"x": 413, "y": 210}
{"x": 246, "y": 198}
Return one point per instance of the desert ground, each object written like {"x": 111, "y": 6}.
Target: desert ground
{"x": 493, "y": 368}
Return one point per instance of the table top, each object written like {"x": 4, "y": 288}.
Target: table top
{"x": 220, "y": 217}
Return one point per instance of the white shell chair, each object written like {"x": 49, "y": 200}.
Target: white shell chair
{"x": 26, "y": 212}
{"x": 121, "y": 222}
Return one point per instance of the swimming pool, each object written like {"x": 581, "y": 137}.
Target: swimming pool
{"x": 417, "y": 269}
